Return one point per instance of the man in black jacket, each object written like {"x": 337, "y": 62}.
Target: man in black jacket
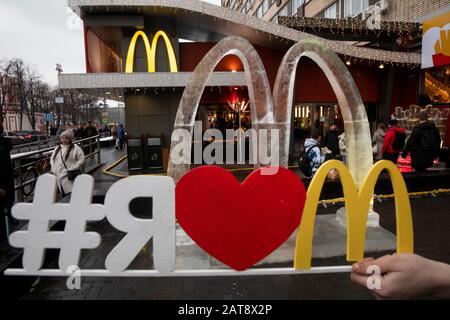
{"x": 331, "y": 141}
{"x": 90, "y": 130}
{"x": 6, "y": 181}
{"x": 423, "y": 144}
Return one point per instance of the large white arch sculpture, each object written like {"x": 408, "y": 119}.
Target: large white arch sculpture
{"x": 266, "y": 115}
{"x": 261, "y": 107}
{"x": 357, "y": 130}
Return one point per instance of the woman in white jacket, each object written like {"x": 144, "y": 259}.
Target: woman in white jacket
{"x": 67, "y": 156}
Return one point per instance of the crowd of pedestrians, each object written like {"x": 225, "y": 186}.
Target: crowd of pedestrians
{"x": 423, "y": 144}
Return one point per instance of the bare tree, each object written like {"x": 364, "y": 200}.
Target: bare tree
{"x": 80, "y": 107}
{"x": 45, "y": 98}
{"x": 33, "y": 96}
{"x": 32, "y": 83}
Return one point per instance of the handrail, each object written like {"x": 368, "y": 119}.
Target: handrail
{"x": 33, "y": 153}
{"x": 22, "y": 168}
{"x": 17, "y": 148}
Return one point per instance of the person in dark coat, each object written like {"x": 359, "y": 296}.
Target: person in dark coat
{"x": 90, "y": 130}
{"x": 120, "y": 137}
{"x": 331, "y": 141}
{"x": 7, "y": 195}
{"x": 79, "y": 133}
{"x": 424, "y": 144}
{"x": 53, "y": 130}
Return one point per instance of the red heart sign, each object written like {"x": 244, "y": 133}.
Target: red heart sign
{"x": 239, "y": 224}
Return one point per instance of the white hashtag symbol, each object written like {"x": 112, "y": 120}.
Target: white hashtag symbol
{"x": 43, "y": 210}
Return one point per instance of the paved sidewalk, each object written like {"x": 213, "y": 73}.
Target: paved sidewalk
{"x": 432, "y": 238}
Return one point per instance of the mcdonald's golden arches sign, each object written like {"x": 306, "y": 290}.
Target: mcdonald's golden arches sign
{"x": 150, "y": 50}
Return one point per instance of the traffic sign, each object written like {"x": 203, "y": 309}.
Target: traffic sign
{"x": 48, "y": 117}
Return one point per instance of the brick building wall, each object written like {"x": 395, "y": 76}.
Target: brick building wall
{"x": 412, "y": 10}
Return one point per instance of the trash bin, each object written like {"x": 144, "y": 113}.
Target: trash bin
{"x": 135, "y": 155}
{"x": 153, "y": 154}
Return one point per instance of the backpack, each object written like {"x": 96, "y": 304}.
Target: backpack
{"x": 304, "y": 161}
{"x": 427, "y": 141}
{"x": 399, "y": 142}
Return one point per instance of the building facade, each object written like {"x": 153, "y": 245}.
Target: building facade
{"x": 146, "y": 53}
{"x": 398, "y": 10}
{"x": 399, "y": 29}
{"x": 10, "y": 108}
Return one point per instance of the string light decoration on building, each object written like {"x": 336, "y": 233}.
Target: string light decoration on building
{"x": 358, "y": 27}
{"x": 410, "y": 30}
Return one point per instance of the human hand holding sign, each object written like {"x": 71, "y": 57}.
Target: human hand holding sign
{"x": 405, "y": 276}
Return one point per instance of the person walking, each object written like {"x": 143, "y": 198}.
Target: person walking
{"x": 114, "y": 133}
{"x": 120, "y": 137}
{"x": 424, "y": 144}
{"x": 313, "y": 156}
{"x": 66, "y": 162}
{"x": 90, "y": 130}
{"x": 394, "y": 141}
{"x": 79, "y": 133}
{"x": 331, "y": 141}
{"x": 7, "y": 196}
{"x": 378, "y": 141}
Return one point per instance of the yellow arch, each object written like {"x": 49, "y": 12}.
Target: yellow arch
{"x": 357, "y": 210}
{"x": 150, "y": 51}
{"x": 170, "y": 52}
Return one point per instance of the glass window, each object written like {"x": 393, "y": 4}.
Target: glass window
{"x": 259, "y": 12}
{"x": 295, "y": 4}
{"x": 284, "y": 11}
{"x": 274, "y": 18}
{"x": 354, "y": 7}
{"x": 331, "y": 12}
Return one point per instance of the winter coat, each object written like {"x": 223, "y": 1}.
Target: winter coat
{"x": 390, "y": 138}
{"x": 315, "y": 154}
{"x": 120, "y": 133}
{"x": 421, "y": 157}
{"x": 378, "y": 142}
{"x": 74, "y": 161}
{"x": 332, "y": 142}
{"x": 90, "y": 131}
{"x": 79, "y": 134}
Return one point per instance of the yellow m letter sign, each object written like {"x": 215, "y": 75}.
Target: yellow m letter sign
{"x": 151, "y": 52}
{"x": 357, "y": 208}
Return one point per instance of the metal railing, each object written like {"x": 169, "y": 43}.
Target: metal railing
{"x": 30, "y": 165}
{"x": 36, "y": 145}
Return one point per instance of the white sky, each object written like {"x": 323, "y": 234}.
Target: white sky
{"x": 43, "y": 33}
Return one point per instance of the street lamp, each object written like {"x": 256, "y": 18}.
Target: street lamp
{"x": 59, "y": 68}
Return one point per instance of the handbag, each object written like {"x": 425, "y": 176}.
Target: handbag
{"x": 71, "y": 174}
